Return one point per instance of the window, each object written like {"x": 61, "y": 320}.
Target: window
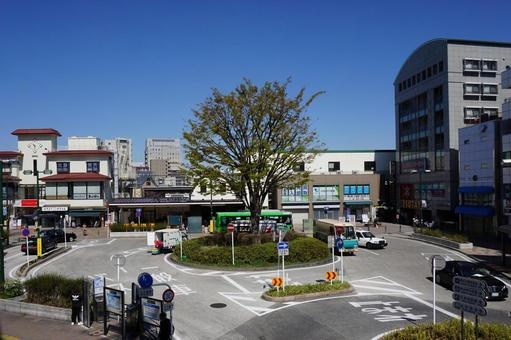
{"x": 471, "y": 65}
{"x": 325, "y": 193}
{"x": 413, "y": 80}
{"x": 334, "y": 166}
{"x": 489, "y": 65}
{"x": 472, "y": 115}
{"x": 471, "y": 88}
{"x": 418, "y": 77}
{"x": 484, "y": 165}
{"x": 490, "y": 89}
{"x": 429, "y": 72}
{"x": 466, "y": 167}
{"x": 424, "y": 75}
{"x": 435, "y": 69}
{"x": 299, "y": 167}
{"x": 400, "y": 87}
{"x": 296, "y": 194}
{"x": 57, "y": 191}
{"x": 87, "y": 190}
{"x": 409, "y": 82}
{"x": 359, "y": 189}
{"x": 369, "y": 166}
{"x": 440, "y": 66}
{"x": 62, "y": 167}
{"x": 92, "y": 166}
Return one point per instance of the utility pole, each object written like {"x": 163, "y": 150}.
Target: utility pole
{"x": 2, "y": 276}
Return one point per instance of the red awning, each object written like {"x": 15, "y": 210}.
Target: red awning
{"x": 9, "y": 154}
{"x": 76, "y": 177}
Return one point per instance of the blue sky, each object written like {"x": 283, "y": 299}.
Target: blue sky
{"x": 137, "y": 68}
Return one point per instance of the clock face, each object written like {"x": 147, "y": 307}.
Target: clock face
{"x": 35, "y": 146}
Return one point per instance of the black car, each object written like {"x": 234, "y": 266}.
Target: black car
{"x": 58, "y": 235}
{"x": 47, "y": 243}
{"x": 496, "y": 288}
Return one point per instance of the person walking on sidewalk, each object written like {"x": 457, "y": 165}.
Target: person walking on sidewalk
{"x": 76, "y": 307}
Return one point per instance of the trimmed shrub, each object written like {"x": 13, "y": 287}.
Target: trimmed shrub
{"x": 52, "y": 290}
{"x": 216, "y": 250}
{"x": 309, "y": 288}
{"x": 118, "y": 227}
{"x": 438, "y": 233}
{"x": 451, "y": 330}
{"x": 12, "y": 288}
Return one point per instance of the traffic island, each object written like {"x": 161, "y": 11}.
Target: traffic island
{"x": 23, "y": 270}
{"x": 308, "y": 291}
{"x": 451, "y": 330}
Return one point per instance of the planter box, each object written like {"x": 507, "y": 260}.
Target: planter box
{"x": 442, "y": 241}
{"x": 308, "y": 296}
{"x": 48, "y": 312}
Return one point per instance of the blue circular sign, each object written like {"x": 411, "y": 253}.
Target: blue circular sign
{"x": 168, "y": 295}
{"x": 145, "y": 280}
{"x": 339, "y": 243}
{"x": 25, "y": 232}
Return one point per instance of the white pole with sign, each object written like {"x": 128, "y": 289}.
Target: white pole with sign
{"x": 28, "y": 258}
{"x": 232, "y": 246}
{"x": 434, "y": 291}
{"x": 65, "y": 235}
{"x": 181, "y": 244}
{"x": 283, "y": 274}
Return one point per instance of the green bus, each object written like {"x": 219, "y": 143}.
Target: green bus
{"x": 269, "y": 220}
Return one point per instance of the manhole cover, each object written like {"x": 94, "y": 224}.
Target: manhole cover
{"x": 218, "y": 305}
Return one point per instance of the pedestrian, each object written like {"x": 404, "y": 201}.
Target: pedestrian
{"x": 76, "y": 307}
{"x": 164, "y": 333}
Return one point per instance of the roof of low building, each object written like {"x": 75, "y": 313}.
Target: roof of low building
{"x": 76, "y": 177}
{"x": 79, "y": 153}
{"x": 38, "y": 131}
{"x": 9, "y": 154}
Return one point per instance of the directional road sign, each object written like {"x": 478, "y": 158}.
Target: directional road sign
{"x": 168, "y": 295}
{"x": 469, "y": 295}
{"x": 145, "y": 292}
{"x": 339, "y": 243}
{"x": 277, "y": 282}
{"x": 330, "y": 275}
{"x": 471, "y": 300}
{"x": 469, "y": 282}
{"x": 145, "y": 280}
{"x": 168, "y": 307}
{"x": 283, "y": 245}
{"x": 283, "y": 252}
{"x": 481, "y": 311}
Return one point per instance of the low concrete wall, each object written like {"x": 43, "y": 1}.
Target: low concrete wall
{"x": 442, "y": 241}
{"x": 48, "y": 312}
{"x": 141, "y": 234}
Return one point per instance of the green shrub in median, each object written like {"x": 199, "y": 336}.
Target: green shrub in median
{"x": 451, "y": 330}
{"x": 12, "y": 288}
{"x": 309, "y": 288}
{"x": 52, "y": 290}
{"x": 118, "y": 227}
{"x": 201, "y": 251}
{"x": 438, "y": 233}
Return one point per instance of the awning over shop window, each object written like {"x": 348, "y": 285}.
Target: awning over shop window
{"x": 475, "y": 211}
{"x": 477, "y": 190}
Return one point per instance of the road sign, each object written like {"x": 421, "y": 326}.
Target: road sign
{"x": 168, "y": 295}
{"x": 283, "y": 245}
{"x": 330, "y": 241}
{"x": 168, "y": 307}
{"x": 330, "y": 275}
{"x": 145, "y": 280}
{"x": 98, "y": 284}
{"x": 439, "y": 262}
{"x": 468, "y": 291}
{"x": 284, "y": 252}
{"x": 230, "y": 227}
{"x": 339, "y": 243}
{"x": 138, "y": 212}
{"x": 25, "y": 232}
{"x": 119, "y": 260}
{"x": 471, "y": 300}
{"x": 469, "y": 282}
{"x": 145, "y": 292}
{"x": 277, "y": 282}
{"x": 481, "y": 311}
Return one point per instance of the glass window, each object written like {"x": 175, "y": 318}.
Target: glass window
{"x": 298, "y": 194}
{"x": 472, "y": 88}
{"x": 92, "y": 166}
{"x": 409, "y": 82}
{"x": 435, "y": 69}
{"x": 325, "y": 193}
{"x": 429, "y": 72}
{"x": 490, "y": 89}
{"x": 62, "y": 167}
{"x": 424, "y": 75}
{"x": 360, "y": 189}
{"x": 369, "y": 166}
{"x": 491, "y": 113}
{"x": 472, "y": 115}
{"x": 413, "y": 80}
{"x": 366, "y": 189}
{"x": 400, "y": 87}
{"x": 489, "y": 65}
{"x": 440, "y": 66}
{"x": 334, "y": 166}
{"x": 418, "y": 77}
{"x": 51, "y": 191}
{"x": 471, "y": 65}
{"x": 80, "y": 191}
{"x": 93, "y": 190}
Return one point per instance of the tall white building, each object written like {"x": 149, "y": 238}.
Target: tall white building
{"x": 162, "y": 149}
{"x": 83, "y": 143}
{"x": 122, "y": 158}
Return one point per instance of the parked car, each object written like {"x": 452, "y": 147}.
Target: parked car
{"x": 48, "y": 244}
{"x": 58, "y": 235}
{"x": 368, "y": 240}
{"x": 496, "y": 288}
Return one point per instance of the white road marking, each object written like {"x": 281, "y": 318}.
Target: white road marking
{"x": 11, "y": 257}
{"x": 435, "y": 246}
{"x": 235, "y": 284}
{"x": 212, "y": 273}
{"x": 124, "y": 270}
{"x": 245, "y": 298}
{"x": 372, "y": 252}
{"x": 13, "y": 270}
{"x": 384, "y": 289}
{"x": 145, "y": 268}
{"x": 413, "y": 297}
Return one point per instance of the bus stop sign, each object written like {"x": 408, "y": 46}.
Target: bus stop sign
{"x": 145, "y": 280}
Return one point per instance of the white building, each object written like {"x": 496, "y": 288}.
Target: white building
{"x": 162, "y": 148}
{"x": 123, "y": 171}
{"x": 83, "y": 143}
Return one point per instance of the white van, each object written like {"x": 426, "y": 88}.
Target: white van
{"x": 165, "y": 240}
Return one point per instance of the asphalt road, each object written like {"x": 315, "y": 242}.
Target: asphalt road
{"x": 393, "y": 290}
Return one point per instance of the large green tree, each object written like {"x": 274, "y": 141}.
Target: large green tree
{"x": 251, "y": 139}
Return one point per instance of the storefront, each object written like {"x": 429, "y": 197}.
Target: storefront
{"x": 87, "y": 217}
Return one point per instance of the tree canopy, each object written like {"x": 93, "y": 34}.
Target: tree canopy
{"x": 251, "y": 140}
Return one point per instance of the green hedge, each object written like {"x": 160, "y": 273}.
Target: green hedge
{"x": 438, "y": 233}
{"x": 52, "y": 290}
{"x": 309, "y": 288}
{"x": 12, "y": 288}
{"x": 118, "y": 227}
{"x": 451, "y": 330}
{"x": 301, "y": 250}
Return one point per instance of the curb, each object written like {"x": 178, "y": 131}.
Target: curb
{"x": 23, "y": 270}
{"x": 25, "y": 308}
{"x": 308, "y": 296}
{"x": 254, "y": 269}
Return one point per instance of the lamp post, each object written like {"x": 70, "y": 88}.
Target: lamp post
{"x": 420, "y": 172}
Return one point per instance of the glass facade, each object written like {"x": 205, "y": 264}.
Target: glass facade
{"x": 325, "y": 193}
{"x": 295, "y": 194}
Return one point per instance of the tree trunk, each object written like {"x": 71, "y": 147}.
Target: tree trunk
{"x": 255, "y": 216}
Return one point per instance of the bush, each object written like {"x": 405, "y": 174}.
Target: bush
{"x": 451, "y": 330}
{"x": 52, "y": 290}
{"x": 118, "y": 227}
{"x": 309, "y": 288}
{"x": 438, "y": 233}
{"x": 216, "y": 250}
{"x": 12, "y": 288}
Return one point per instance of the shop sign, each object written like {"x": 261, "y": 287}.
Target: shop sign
{"x": 55, "y": 208}
{"x": 410, "y": 204}
{"x": 29, "y": 203}
{"x": 357, "y": 198}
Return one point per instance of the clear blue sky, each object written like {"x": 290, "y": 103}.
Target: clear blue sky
{"x": 136, "y": 68}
